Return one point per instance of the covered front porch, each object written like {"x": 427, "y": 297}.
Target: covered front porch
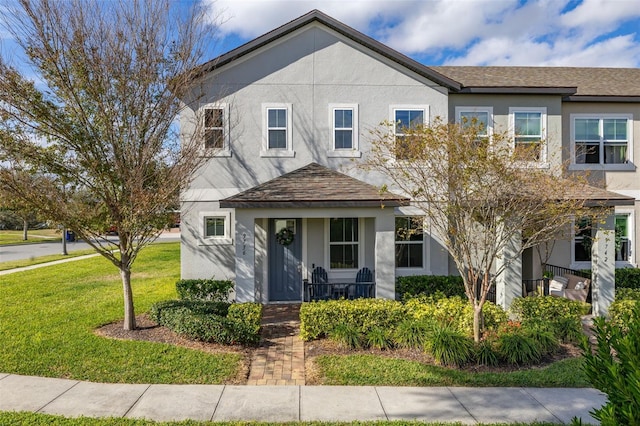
{"x": 311, "y": 234}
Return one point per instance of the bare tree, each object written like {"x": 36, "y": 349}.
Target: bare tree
{"x": 478, "y": 195}
{"x": 100, "y": 116}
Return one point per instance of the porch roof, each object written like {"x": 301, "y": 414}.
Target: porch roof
{"x": 598, "y": 197}
{"x": 313, "y": 186}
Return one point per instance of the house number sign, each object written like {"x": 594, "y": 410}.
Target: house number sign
{"x": 244, "y": 243}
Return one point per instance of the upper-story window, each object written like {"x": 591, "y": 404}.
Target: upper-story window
{"x": 528, "y": 127}
{"x": 601, "y": 139}
{"x": 277, "y": 131}
{"x": 215, "y": 129}
{"x": 344, "y": 126}
{"x": 479, "y": 117}
{"x": 405, "y": 120}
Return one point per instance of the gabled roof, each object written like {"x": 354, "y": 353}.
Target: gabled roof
{"x": 313, "y": 186}
{"x": 623, "y": 84}
{"x": 339, "y": 27}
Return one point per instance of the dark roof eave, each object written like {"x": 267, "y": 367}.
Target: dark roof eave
{"x": 312, "y": 204}
{"x": 621, "y": 99}
{"x": 337, "y": 26}
{"x": 517, "y": 90}
{"x": 610, "y": 202}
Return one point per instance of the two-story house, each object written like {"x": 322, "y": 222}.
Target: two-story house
{"x": 285, "y": 118}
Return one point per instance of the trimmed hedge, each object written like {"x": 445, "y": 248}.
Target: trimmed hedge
{"x": 628, "y": 278}
{"x": 209, "y": 321}
{"x": 213, "y": 290}
{"x": 455, "y": 311}
{"x": 427, "y": 285}
{"x": 559, "y": 315}
{"x": 319, "y": 319}
{"x": 622, "y": 309}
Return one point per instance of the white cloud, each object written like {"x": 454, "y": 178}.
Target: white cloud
{"x": 468, "y": 32}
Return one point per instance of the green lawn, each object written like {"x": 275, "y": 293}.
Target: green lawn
{"x": 33, "y": 236}
{"x": 47, "y": 318}
{"x": 357, "y": 370}
{"x": 42, "y": 259}
{"x": 45, "y": 419}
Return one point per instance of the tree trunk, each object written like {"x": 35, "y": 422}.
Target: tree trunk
{"x": 129, "y": 313}
{"x": 477, "y": 322}
{"x": 25, "y": 227}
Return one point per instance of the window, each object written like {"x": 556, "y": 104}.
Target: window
{"x": 343, "y": 119}
{"x": 343, "y": 243}
{"x": 214, "y": 227}
{"x": 409, "y": 242}
{"x": 582, "y": 241}
{"x": 406, "y": 119}
{"x": 528, "y": 126}
{"x": 600, "y": 139}
{"x": 277, "y": 131}
{"x": 623, "y": 243}
{"x": 481, "y": 116}
{"x": 215, "y": 129}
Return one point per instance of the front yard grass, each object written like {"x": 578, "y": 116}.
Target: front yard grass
{"x": 375, "y": 370}
{"x": 12, "y": 264}
{"x": 48, "y": 315}
{"x": 33, "y": 236}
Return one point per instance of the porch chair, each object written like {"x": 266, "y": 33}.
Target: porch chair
{"x": 364, "y": 276}
{"x": 322, "y": 290}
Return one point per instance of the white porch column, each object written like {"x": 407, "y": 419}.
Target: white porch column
{"x": 509, "y": 282}
{"x": 603, "y": 265}
{"x": 245, "y": 256}
{"x": 385, "y": 263}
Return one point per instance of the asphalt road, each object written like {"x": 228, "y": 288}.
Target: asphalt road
{"x": 29, "y": 251}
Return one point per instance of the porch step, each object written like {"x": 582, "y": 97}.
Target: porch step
{"x": 279, "y": 360}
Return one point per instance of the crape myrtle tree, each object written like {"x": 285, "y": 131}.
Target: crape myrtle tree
{"x": 478, "y": 195}
{"x": 99, "y": 116}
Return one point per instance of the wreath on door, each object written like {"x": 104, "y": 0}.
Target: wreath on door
{"x": 284, "y": 236}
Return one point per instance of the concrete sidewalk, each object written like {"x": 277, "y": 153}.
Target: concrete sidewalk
{"x": 74, "y": 398}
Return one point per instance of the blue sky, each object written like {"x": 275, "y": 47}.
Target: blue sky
{"x": 585, "y": 33}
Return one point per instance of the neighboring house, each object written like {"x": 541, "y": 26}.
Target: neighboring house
{"x": 285, "y": 119}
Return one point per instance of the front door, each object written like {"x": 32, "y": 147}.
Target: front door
{"x": 285, "y": 260}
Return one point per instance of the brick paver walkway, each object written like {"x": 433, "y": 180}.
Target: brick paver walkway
{"x": 279, "y": 360}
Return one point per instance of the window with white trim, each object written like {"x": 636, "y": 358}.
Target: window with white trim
{"x": 214, "y": 227}
{"x": 583, "y": 238}
{"x": 624, "y": 224}
{"x": 343, "y": 243}
{"x": 215, "y": 129}
{"x": 343, "y": 119}
{"x": 528, "y": 129}
{"x": 405, "y": 120}
{"x": 481, "y": 117}
{"x": 277, "y": 131}
{"x": 601, "y": 139}
{"x": 409, "y": 242}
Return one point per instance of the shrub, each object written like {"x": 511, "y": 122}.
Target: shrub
{"x": 517, "y": 348}
{"x": 317, "y": 319}
{"x": 449, "y": 346}
{"x": 411, "y": 333}
{"x": 563, "y": 316}
{"x": 250, "y": 314}
{"x": 206, "y": 321}
{"x": 485, "y": 353}
{"x": 213, "y": 290}
{"x": 628, "y": 278}
{"x": 547, "y": 341}
{"x": 346, "y": 335}
{"x": 427, "y": 285}
{"x": 455, "y": 311}
{"x": 614, "y": 368}
{"x": 379, "y": 338}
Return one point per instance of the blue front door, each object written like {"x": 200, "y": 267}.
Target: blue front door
{"x": 285, "y": 260}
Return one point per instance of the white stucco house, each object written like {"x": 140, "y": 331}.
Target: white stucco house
{"x": 284, "y": 120}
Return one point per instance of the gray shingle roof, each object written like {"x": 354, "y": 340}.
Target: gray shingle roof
{"x": 313, "y": 186}
{"x": 597, "y": 82}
